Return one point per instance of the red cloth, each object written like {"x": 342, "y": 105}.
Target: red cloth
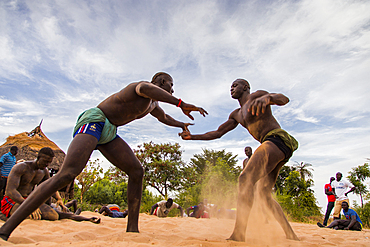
{"x": 114, "y": 209}
{"x": 331, "y": 198}
{"x": 205, "y": 215}
{"x": 155, "y": 211}
{"x": 6, "y": 205}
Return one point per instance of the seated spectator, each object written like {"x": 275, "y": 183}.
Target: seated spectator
{"x": 162, "y": 208}
{"x": 113, "y": 210}
{"x": 352, "y": 221}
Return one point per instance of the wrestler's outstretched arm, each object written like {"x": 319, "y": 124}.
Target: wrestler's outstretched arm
{"x": 259, "y": 104}
{"x": 158, "y": 113}
{"x": 149, "y": 90}
{"x": 227, "y": 126}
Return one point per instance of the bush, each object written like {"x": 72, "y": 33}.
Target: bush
{"x": 364, "y": 214}
{"x": 148, "y": 200}
{"x": 107, "y": 192}
{"x": 299, "y": 209}
{"x": 189, "y": 197}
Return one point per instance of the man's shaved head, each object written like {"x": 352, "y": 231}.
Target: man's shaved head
{"x": 243, "y": 82}
{"x": 161, "y": 76}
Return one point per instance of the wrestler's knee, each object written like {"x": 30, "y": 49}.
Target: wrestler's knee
{"x": 63, "y": 179}
{"x": 47, "y": 213}
{"x": 245, "y": 179}
{"x": 50, "y": 216}
{"x": 136, "y": 171}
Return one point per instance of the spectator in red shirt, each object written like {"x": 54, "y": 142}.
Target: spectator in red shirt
{"x": 331, "y": 200}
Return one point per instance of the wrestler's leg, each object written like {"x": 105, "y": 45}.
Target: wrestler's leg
{"x": 48, "y": 213}
{"x": 263, "y": 161}
{"x": 268, "y": 183}
{"x": 72, "y": 204}
{"x": 78, "y": 154}
{"x": 121, "y": 155}
{"x": 14, "y": 208}
{"x": 74, "y": 217}
{"x": 106, "y": 210}
{"x": 259, "y": 200}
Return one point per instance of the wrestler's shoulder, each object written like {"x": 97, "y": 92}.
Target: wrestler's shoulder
{"x": 234, "y": 112}
{"x": 22, "y": 167}
{"x": 258, "y": 93}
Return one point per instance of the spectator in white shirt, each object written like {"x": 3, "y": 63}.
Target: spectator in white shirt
{"x": 340, "y": 188}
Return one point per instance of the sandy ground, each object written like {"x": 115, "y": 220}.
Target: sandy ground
{"x": 156, "y": 231}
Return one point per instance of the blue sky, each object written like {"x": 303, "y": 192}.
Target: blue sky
{"x": 59, "y": 58}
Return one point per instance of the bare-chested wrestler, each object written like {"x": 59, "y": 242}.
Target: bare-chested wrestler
{"x": 97, "y": 129}
{"x": 22, "y": 179}
{"x": 275, "y": 150}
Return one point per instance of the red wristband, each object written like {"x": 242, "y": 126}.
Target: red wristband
{"x": 179, "y": 103}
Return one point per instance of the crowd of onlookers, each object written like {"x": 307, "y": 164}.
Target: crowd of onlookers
{"x": 337, "y": 191}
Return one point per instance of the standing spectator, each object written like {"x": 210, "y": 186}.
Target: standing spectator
{"x": 331, "y": 200}
{"x": 7, "y": 161}
{"x": 248, "y": 153}
{"x": 340, "y": 188}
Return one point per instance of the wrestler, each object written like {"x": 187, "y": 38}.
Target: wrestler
{"x": 275, "y": 150}
{"x": 21, "y": 181}
{"x": 99, "y": 131}
{"x": 113, "y": 210}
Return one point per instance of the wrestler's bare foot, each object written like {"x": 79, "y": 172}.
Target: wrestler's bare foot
{"x": 95, "y": 220}
{"x": 237, "y": 237}
{"x": 292, "y": 237}
{"x": 132, "y": 229}
{"x": 4, "y": 237}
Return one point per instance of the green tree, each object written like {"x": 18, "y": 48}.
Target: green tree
{"x": 89, "y": 175}
{"x": 148, "y": 199}
{"x": 163, "y": 165}
{"x": 209, "y": 157}
{"x": 294, "y": 191}
{"x": 280, "y": 181}
{"x": 304, "y": 169}
{"x": 106, "y": 191}
{"x": 116, "y": 175}
{"x": 220, "y": 185}
{"x": 357, "y": 176}
{"x": 213, "y": 176}
{"x": 297, "y": 198}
